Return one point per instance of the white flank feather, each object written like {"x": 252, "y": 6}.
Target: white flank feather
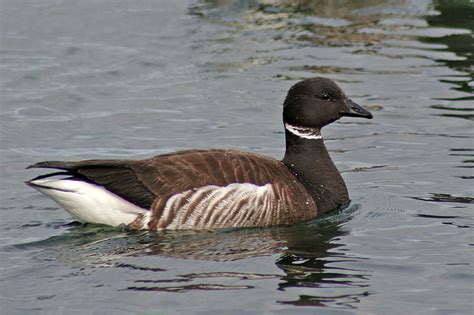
{"x": 213, "y": 206}
{"x": 90, "y": 203}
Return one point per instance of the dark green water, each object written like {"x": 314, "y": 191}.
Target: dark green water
{"x": 129, "y": 79}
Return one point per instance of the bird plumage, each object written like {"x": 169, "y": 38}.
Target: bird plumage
{"x": 196, "y": 183}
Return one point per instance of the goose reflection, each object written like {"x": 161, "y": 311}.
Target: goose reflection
{"x": 312, "y": 257}
{"x": 314, "y": 263}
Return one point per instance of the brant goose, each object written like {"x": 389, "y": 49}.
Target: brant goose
{"x": 206, "y": 189}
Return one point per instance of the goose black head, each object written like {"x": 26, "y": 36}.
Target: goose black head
{"x": 314, "y": 103}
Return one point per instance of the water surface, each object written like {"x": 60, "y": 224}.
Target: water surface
{"x": 107, "y": 79}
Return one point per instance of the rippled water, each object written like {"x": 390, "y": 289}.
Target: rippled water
{"x": 108, "y": 79}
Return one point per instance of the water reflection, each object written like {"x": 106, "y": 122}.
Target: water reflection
{"x": 439, "y": 197}
{"x": 467, "y": 156}
{"x": 308, "y": 255}
{"x": 456, "y": 14}
{"x": 310, "y": 261}
{"x": 311, "y": 256}
{"x": 328, "y": 23}
{"x": 301, "y": 38}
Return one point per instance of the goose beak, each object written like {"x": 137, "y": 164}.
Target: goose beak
{"x": 355, "y": 110}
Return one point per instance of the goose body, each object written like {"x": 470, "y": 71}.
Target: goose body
{"x": 207, "y": 189}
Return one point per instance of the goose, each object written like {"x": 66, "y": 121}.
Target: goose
{"x": 215, "y": 188}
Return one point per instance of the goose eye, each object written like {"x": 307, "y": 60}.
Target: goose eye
{"x": 326, "y": 97}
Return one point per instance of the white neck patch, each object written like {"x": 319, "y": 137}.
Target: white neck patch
{"x": 304, "y": 132}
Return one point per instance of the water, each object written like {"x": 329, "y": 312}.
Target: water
{"x": 108, "y": 79}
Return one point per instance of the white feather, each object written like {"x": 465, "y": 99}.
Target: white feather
{"x": 217, "y": 204}
{"x": 304, "y": 132}
{"x": 90, "y": 203}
